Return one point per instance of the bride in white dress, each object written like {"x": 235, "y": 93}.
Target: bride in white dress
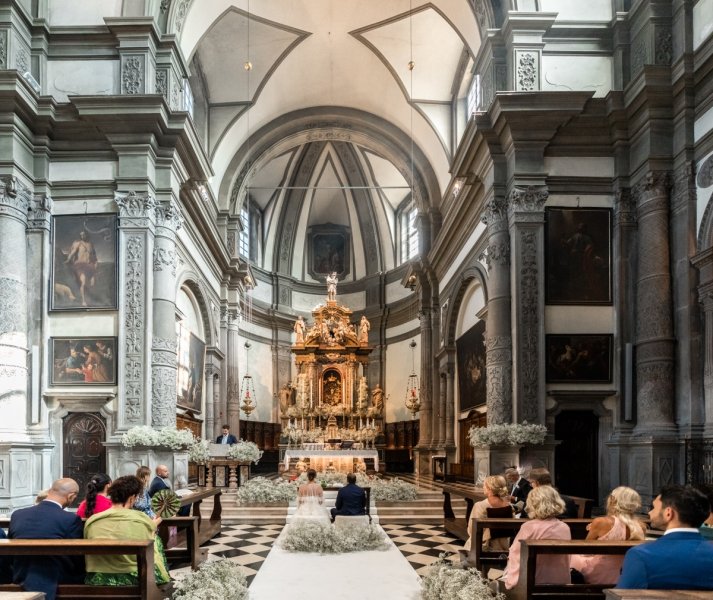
{"x": 310, "y": 501}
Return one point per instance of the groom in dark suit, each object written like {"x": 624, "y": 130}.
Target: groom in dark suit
{"x": 227, "y": 437}
{"x": 681, "y": 559}
{"x": 351, "y": 499}
{"x": 48, "y": 520}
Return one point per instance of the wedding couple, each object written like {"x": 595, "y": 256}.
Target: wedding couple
{"x": 351, "y": 500}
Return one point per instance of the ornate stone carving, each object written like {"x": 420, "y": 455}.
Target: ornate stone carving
{"x": 175, "y": 101}
{"x": 498, "y": 253}
{"x": 480, "y": 13}
{"x": 684, "y": 185}
{"x": 135, "y": 205}
{"x": 162, "y": 82}
{"x": 40, "y": 212}
{"x": 499, "y": 391}
{"x": 487, "y": 88}
{"x": 495, "y": 212}
{"x": 14, "y": 197}
{"x": 664, "y": 46}
{"x": 132, "y": 74}
{"x": 528, "y": 342}
{"x": 527, "y": 71}
{"x": 13, "y": 306}
{"x": 168, "y": 214}
{"x": 527, "y": 199}
{"x": 705, "y": 173}
{"x": 231, "y": 243}
{"x": 639, "y": 54}
{"x": 22, "y": 61}
{"x": 181, "y": 12}
{"x": 165, "y": 5}
{"x": 134, "y": 326}
{"x": 625, "y": 207}
{"x": 498, "y": 349}
{"x": 654, "y": 319}
{"x": 655, "y": 390}
{"x": 316, "y": 136}
{"x": 286, "y": 240}
{"x": 3, "y": 49}
{"x": 163, "y": 257}
{"x": 163, "y": 396}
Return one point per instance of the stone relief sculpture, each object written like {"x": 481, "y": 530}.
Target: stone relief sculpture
{"x": 364, "y": 327}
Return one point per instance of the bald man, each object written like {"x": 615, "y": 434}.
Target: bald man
{"x": 162, "y": 481}
{"x": 48, "y": 520}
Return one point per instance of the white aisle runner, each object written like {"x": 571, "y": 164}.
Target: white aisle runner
{"x": 349, "y": 576}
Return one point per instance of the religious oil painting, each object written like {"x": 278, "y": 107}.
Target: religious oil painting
{"x": 578, "y": 256}
{"x": 329, "y": 253}
{"x": 470, "y": 351}
{"x": 84, "y": 251}
{"x": 191, "y": 363}
{"x": 83, "y": 361}
{"x": 579, "y": 358}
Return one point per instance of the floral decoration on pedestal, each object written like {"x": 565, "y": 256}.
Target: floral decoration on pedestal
{"x": 245, "y": 452}
{"x": 168, "y": 437}
{"x": 507, "y": 434}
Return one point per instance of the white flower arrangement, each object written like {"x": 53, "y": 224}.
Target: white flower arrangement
{"x": 389, "y": 490}
{"x": 507, "y": 434}
{"x": 264, "y": 491}
{"x": 215, "y": 580}
{"x": 312, "y": 536}
{"x": 199, "y": 452}
{"x": 313, "y": 435}
{"x": 168, "y": 437}
{"x": 446, "y": 581}
{"x": 245, "y": 452}
{"x": 325, "y": 479}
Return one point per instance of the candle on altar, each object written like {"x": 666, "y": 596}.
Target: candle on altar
{"x": 310, "y": 393}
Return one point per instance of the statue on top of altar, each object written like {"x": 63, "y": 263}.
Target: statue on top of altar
{"x": 332, "y": 281}
{"x": 377, "y": 399}
{"x": 286, "y": 397}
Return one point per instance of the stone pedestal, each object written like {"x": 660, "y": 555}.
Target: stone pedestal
{"x": 542, "y": 455}
{"x": 494, "y": 460}
{"x": 125, "y": 461}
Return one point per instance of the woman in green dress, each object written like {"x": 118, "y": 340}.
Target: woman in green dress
{"x": 121, "y": 522}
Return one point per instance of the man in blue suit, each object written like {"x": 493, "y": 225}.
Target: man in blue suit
{"x": 681, "y": 559}
{"x": 351, "y": 499}
{"x": 48, "y": 520}
{"x": 227, "y": 437}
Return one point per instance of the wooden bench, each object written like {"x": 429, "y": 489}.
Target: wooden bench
{"x": 527, "y": 589}
{"x": 584, "y": 506}
{"x": 615, "y": 594}
{"x": 459, "y": 527}
{"x": 142, "y": 549}
{"x": 483, "y": 561}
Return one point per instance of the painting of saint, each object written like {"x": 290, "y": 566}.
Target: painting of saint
{"x": 83, "y": 361}
{"x": 470, "y": 352}
{"x": 578, "y": 358}
{"x": 191, "y": 366}
{"x": 329, "y": 254}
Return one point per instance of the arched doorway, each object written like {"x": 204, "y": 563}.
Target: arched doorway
{"x": 577, "y": 456}
{"x": 84, "y": 451}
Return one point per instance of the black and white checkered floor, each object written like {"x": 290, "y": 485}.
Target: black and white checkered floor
{"x": 249, "y": 545}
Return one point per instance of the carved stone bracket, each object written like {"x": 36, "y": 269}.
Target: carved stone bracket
{"x": 40, "y": 212}
{"x": 168, "y": 215}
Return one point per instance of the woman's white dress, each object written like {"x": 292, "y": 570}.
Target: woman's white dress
{"x": 310, "y": 504}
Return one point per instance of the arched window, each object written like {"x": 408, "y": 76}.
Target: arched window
{"x": 408, "y": 233}
{"x": 244, "y": 243}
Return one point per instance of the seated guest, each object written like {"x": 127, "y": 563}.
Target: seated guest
{"x": 706, "y": 529}
{"x": 619, "y": 524}
{"x": 96, "y": 500}
{"x": 544, "y": 506}
{"x": 351, "y": 499}
{"x": 226, "y": 437}
{"x": 310, "y": 500}
{"x": 542, "y": 476}
{"x": 162, "y": 481}
{"x": 681, "y": 559}
{"x": 48, "y": 520}
{"x": 5, "y": 563}
{"x": 143, "y": 502}
{"x": 41, "y": 495}
{"x": 496, "y": 505}
{"x": 121, "y": 522}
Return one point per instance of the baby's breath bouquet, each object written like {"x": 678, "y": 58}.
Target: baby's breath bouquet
{"x": 215, "y": 580}
{"x": 388, "y": 490}
{"x": 507, "y": 434}
{"x": 245, "y": 452}
{"x": 260, "y": 490}
{"x": 168, "y": 437}
{"x": 199, "y": 452}
{"x": 312, "y": 536}
{"x": 326, "y": 479}
{"x": 446, "y": 581}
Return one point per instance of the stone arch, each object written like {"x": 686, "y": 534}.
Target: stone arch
{"x": 191, "y": 282}
{"x": 475, "y": 272}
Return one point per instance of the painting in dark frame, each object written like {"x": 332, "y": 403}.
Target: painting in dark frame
{"x": 329, "y": 253}
{"x": 191, "y": 366}
{"x": 83, "y": 361}
{"x": 579, "y": 358}
{"x": 578, "y": 256}
{"x": 470, "y": 352}
{"x": 84, "y": 259}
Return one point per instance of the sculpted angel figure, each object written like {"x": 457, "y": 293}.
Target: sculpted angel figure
{"x": 364, "y": 327}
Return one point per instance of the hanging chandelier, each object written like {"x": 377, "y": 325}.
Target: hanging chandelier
{"x": 247, "y": 389}
{"x": 412, "y": 401}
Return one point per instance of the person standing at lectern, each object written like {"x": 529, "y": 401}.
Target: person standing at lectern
{"x": 227, "y": 437}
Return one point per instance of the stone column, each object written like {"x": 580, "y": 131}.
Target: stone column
{"x": 527, "y": 220}
{"x": 450, "y": 407}
{"x": 209, "y": 406}
{"x": 425, "y": 415}
{"x": 654, "y": 321}
{"x": 705, "y": 293}
{"x": 233, "y": 356}
{"x": 498, "y": 340}
{"x": 14, "y": 205}
{"x": 163, "y": 344}
{"x": 136, "y": 233}
{"x": 441, "y": 441}
{"x": 439, "y": 393}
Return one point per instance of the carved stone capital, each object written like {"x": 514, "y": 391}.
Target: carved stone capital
{"x": 15, "y": 198}
{"x": 624, "y": 207}
{"x": 495, "y": 212}
{"x": 654, "y": 185}
{"x": 168, "y": 215}
{"x": 135, "y": 206}
{"x": 527, "y": 199}
{"x": 40, "y": 212}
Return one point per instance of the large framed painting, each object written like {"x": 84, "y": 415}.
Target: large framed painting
{"x": 84, "y": 258}
{"x": 579, "y": 358}
{"x": 578, "y": 256}
{"x": 328, "y": 248}
{"x": 191, "y": 366}
{"x": 83, "y": 361}
{"x": 470, "y": 353}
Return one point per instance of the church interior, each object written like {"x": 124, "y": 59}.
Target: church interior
{"x": 361, "y": 226}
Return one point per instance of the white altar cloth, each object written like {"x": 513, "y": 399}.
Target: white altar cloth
{"x": 349, "y": 576}
{"x": 332, "y": 454}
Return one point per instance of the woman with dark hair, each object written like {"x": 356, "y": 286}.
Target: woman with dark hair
{"x": 96, "y": 500}
{"x": 143, "y": 502}
{"x": 121, "y": 522}
{"x": 310, "y": 500}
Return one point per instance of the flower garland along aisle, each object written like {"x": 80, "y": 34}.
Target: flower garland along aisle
{"x": 382, "y": 490}
{"x": 446, "y": 581}
{"x": 312, "y": 536}
{"x": 215, "y": 580}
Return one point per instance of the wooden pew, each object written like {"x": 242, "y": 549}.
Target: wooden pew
{"x": 142, "y": 549}
{"x": 584, "y": 507}
{"x": 616, "y": 594}
{"x": 483, "y": 561}
{"x": 459, "y": 527}
{"x": 210, "y": 528}
{"x": 526, "y": 589}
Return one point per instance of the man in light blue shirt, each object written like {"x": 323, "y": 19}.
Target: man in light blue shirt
{"x": 227, "y": 437}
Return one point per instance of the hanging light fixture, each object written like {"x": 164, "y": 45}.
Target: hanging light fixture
{"x": 247, "y": 388}
{"x": 413, "y": 401}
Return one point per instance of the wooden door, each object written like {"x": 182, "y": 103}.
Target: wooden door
{"x": 84, "y": 452}
{"x": 577, "y": 456}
